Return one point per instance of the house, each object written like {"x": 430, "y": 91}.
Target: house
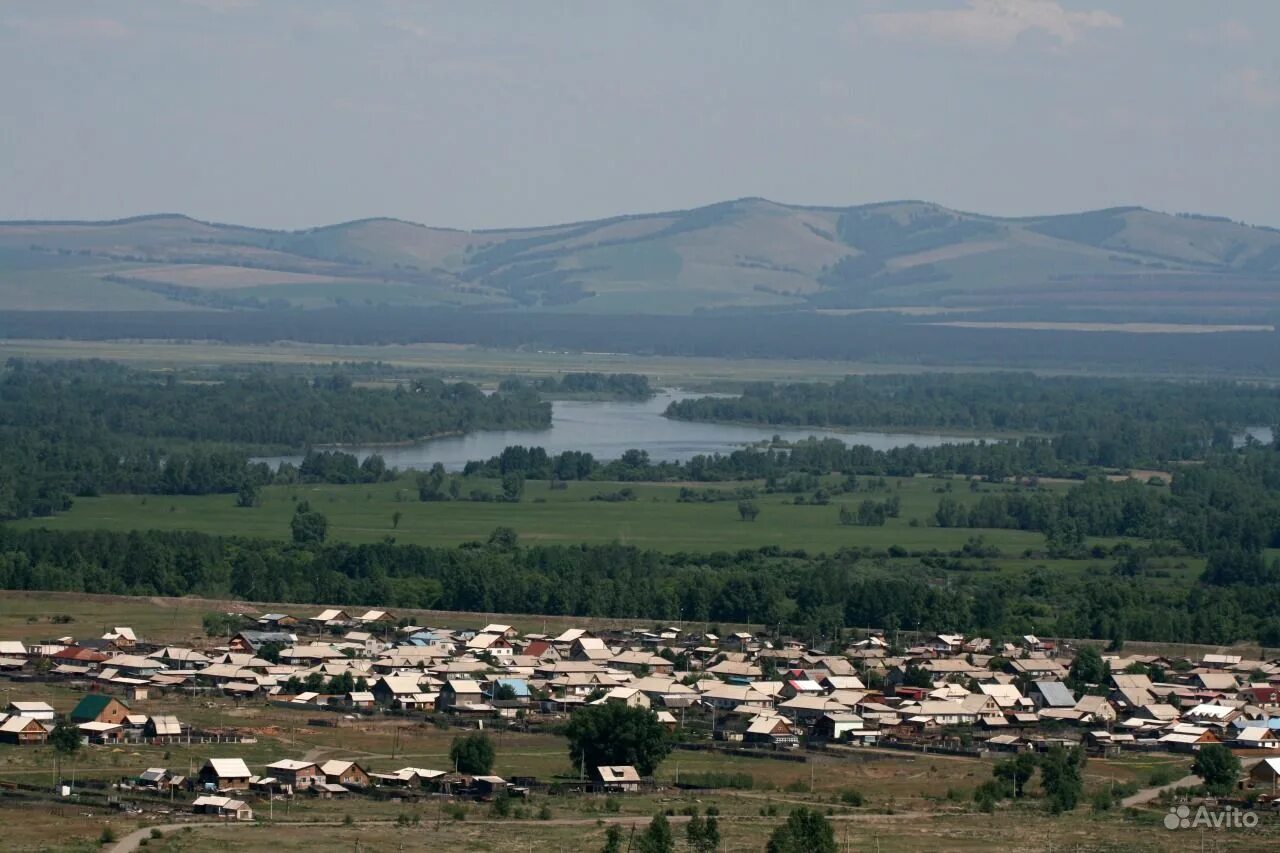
{"x": 844, "y": 726}
{"x": 331, "y": 618}
{"x": 806, "y": 709}
{"x": 1052, "y": 694}
{"x": 100, "y": 708}
{"x": 1188, "y": 738}
{"x": 946, "y": 712}
{"x": 299, "y": 775}
{"x": 457, "y": 692}
{"x": 589, "y": 649}
{"x": 618, "y": 779}
{"x": 505, "y": 630}
{"x": 22, "y": 731}
{"x": 496, "y": 645}
{"x": 32, "y": 710}
{"x": 79, "y": 655}
{"x": 1212, "y": 714}
{"x": 1218, "y": 682}
{"x": 225, "y": 774}
{"x": 163, "y": 726}
{"x": 101, "y": 732}
{"x": 1095, "y": 709}
{"x": 224, "y": 807}
{"x": 1267, "y": 772}
{"x": 1257, "y": 737}
{"x": 153, "y": 777}
{"x": 376, "y": 617}
{"x": 347, "y": 773}
{"x": 774, "y": 731}
{"x": 250, "y": 642}
{"x": 398, "y": 691}
{"x": 277, "y": 621}
{"x": 629, "y": 696}
{"x": 121, "y": 638}
{"x": 359, "y": 700}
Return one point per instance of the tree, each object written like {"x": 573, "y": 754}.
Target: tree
{"x": 747, "y": 510}
{"x": 917, "y": 676}
{"x": 612, "y": 839}
{"x": 703, "y": 834}
{"x": 308, "y": 526}
{"x": 804, "y": 832}
{"x": 657, "y": 837}
{"x": 472, "y": 754}
{"x": 1218, "y": 767}
{"x": 270, "y": 652}
{"x": 613, "y": 734}
{"x": 1016, "y": 772}
{"x": 504, "y": 539}
{"x": 513, "y": 486}
{"x": 1087, "y": 669}
{"x": 1062, "y": 777}
{"x": 65, "y": 740}
{"x": 247, "y": 496}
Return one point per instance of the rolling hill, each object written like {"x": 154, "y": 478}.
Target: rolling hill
{"x": 748, "y": 255}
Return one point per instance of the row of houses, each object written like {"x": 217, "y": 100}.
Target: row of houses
{"x": 755, "y": 689}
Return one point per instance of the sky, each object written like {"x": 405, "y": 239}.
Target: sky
{"x": 480, "y": 114}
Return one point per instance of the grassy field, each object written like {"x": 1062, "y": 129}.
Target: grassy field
{"x": 475, "y": 363}
{"x": 365, "y": 513}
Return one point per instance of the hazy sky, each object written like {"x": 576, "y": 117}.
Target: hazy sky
{"x": 480, "y": 114}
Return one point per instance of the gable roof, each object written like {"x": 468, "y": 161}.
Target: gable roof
{"x": 1056, "y": 694}
{"x": 229, "y": 768}
{"x": 92, "y": 705}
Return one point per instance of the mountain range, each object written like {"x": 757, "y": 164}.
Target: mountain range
{"x": 749, "y": 255}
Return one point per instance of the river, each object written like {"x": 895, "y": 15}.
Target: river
{"x": 607, "y": 428}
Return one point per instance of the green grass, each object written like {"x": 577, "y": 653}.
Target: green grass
{"x": 363, "y": 513}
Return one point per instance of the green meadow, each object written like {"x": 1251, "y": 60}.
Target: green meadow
{"x": 654, "y": 519}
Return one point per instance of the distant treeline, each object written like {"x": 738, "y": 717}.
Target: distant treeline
{"x": 84, "y": 428}
{"x": 626, "y": 386}
{"x": 878, "y": 338}
{"x": 1172, "y": 413}
{"x": 790, "y": 591}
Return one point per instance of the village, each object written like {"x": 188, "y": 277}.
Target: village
{"x": 744, "y": 692}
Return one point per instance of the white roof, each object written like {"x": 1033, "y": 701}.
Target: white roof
{"x": 336, "y": 767}
{"x": 17, "y": 723}
{"x": 291, "y": 764}
{"x": 229, "y": 768}
{"x": 98, "y": 727}
{"x": 166, "y": 724}
{"x": 31, "y": 707}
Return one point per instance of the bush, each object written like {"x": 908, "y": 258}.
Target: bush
{"x": 455, "y": 811}
{"x": 853, "y": 797}
{"x": 544, "y": 813}
{"x": 155, "y": 833}
{"x": 107, "y": 836}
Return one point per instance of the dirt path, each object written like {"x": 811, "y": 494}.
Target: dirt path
{"x": 1146, "y": 795}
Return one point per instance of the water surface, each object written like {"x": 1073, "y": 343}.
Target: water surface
{"x": 607, "y": 428}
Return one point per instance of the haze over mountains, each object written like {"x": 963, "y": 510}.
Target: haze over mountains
{"x": 749, "y": 255}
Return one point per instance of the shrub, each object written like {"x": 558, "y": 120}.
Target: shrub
{"x": 853, "y": 797}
